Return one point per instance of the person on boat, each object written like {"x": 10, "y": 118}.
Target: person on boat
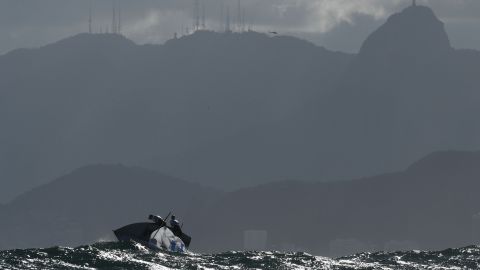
{"x": 174, "y": 222}
{"x": 175, "y": 226}
{"x": 158, "y": 220}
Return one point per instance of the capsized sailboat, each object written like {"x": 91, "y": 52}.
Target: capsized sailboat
{"x": 155, "y": 234}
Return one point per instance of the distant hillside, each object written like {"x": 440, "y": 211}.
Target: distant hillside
{"x": 101, "y": 98}
{"x": 429, "y": 206}
{"x": 233, "y": 110}
{"x": 407, "y": 93}
{"x": 87, "y": 204}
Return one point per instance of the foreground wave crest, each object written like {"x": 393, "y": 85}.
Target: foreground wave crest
{"x": 134, "y": 256}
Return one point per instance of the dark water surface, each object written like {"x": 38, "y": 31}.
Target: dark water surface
{"x": 135, "y": 256}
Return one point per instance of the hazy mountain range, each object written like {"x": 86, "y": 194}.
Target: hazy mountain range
{"x": 101, "y": 98}
{"x": 236, "y": 109}
{"x": 430, "y": 205}
{"x": 87, "y": 204}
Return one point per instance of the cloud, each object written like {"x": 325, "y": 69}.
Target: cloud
{"x": 35, "y": 23}
{"x": 286, "y": 16}
{"x": 322, "y": 16}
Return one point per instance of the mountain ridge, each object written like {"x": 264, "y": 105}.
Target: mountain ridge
{"x": 232, "y": 110}
{"x": 407, "y": 207}
{"x": 88, "y": 203}
{"x": 415, "y": 29}
{"x": 410, "y": 207}
{"x": 107, "y": 94}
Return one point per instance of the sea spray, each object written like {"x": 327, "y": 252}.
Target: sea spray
{"x": 113, "y": 255}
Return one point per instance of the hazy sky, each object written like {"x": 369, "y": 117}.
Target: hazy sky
{"x": 336, "y": 24}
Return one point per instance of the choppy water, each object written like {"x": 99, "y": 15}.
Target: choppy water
{"x": 134, "y": 256}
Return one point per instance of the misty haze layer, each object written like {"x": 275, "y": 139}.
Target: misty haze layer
{"x": 238, "y": 109}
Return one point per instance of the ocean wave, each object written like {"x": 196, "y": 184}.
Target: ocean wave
{"x": 113, "y": 255}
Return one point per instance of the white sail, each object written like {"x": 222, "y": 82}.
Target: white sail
{"x": 164, "y": 238}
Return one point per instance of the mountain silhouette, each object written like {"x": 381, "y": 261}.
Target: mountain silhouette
{"x": 406, "y": 93}
{"x": 430, "y": 205}
{"x": 234, "y": 110}
{"x": 100, "y": 98}
{"x": 415, "y": 30}
{"x": 410, "y": 44}
{"x": 420, "y": 208}
{"x": 88, "y": 203}
{"x": 447, "y": 162}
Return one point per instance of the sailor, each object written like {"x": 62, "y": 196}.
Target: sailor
{"x": 157, "y": 219}
{"x": 174, "y": 222}
{"x": 175, "y": 226}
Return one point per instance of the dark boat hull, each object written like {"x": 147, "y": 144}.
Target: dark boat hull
{"x": 141, "y": 232}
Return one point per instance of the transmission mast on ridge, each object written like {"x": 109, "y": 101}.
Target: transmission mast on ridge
{"x": 222, "y": 16}
{"x": 119, "y": 27}
{"x": 114, "y": 19}
{"x": 90, "y": 18}
{"x": 243, "y": 20}
{"x": 204, "y": 26}
{"x": 227, "y": 23}
{"x": 239, "y": 16}
{"x": 196, "y": 14}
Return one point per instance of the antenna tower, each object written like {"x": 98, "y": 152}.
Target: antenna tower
{"x": 90, "y": 18}
{"x": 114, "y": 19}
{"x": 222, "y": 16}
{"x": 204, "y": 26}
{"x": 243, "y": 20}
{"x": 196, "y": 14}
{"x": 119, "y": 27}
{"x": 227, "y": 23}
{"x": 239, "y": 16}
